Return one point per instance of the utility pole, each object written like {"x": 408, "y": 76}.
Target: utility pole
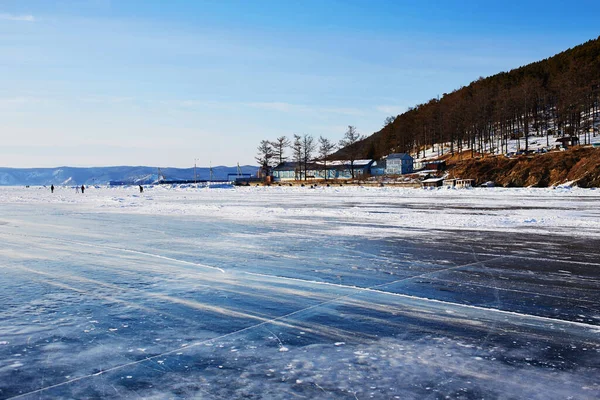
{"x": 195, "y": 181}
{"x": 160, "y": 175}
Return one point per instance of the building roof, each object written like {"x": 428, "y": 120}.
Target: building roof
{"x": 346, "y": 163}
{"x": 432, "y": 180}
{"x": 316, "y": 165}
{"x": 433, "y": 162}
{"x": 567, "y": 139}
{"x": 400, "y": 156}
{"x": 286, "y": 166}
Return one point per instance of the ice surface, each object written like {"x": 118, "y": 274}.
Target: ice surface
{"x": 340, "y": 292}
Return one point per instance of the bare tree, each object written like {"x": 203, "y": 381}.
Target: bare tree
{"x": 279, "y": 146}
{"x": 326, "y": 147}
{"x": 388, "y": 120}
{"x": 264, "y": 155}
{"x": 308, "y": 147}
{"x": 297, "y": 154}
{"x": 348, "y": 143}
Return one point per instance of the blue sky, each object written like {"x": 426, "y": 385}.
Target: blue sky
{"x": 161, "y": 83}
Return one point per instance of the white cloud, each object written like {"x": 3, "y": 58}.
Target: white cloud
{"x": 289, "y": 107}
{"x": 108, "y": 99}
{"x": 278, "y": 106}
{"x": 18, "y": 101}
{"x": 344, "y": 111}
{"x": 391, "y": 109}
{"x": 12, "y": 17}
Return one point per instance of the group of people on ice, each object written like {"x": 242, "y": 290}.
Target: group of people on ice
{"x": 83, "y": 189}
{"x": 76, "y": 189}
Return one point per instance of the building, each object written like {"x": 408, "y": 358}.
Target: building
{"x": 450, "y": 183}
{"x": 567, "y": 141}
{"x": 464, "y": 183}
{"x": 288, "y": 171}
{"x": 378, "y": 168}
{"x": 458, "y": 183}
{"x": 432, "y": 182}
{"x": 435, "y": 165}
{"x": 399, "y": 163}
{"x": 343, "y": 170}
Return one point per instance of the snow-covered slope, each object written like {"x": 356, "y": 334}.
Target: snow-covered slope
{"x": 536, "y": 143}
{"x": 104, "y": 175}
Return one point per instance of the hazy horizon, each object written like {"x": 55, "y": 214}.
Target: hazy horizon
{"x": 133, "y": 166}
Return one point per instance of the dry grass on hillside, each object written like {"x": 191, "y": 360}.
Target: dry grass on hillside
{"x": 580, "y": 165}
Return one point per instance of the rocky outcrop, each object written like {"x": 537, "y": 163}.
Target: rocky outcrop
{"x": 579, "y": 166}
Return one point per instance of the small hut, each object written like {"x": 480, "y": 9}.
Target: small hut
{"x": 464, "y": 183}
{"x": 567, "y": 141}
{"x": 432, "y": 182}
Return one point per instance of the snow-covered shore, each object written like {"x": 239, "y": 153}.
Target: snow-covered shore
{"x": 384, "y": 211}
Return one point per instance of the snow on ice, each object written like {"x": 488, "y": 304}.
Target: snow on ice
{"x": 289, "y": 292}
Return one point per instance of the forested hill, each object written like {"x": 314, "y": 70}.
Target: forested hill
{"x": 558, "y": 96}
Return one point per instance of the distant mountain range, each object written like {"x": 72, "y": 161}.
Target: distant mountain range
{"x": 105, "y": 175}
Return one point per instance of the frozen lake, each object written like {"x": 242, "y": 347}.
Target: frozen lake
{"x": 285, "y": 293}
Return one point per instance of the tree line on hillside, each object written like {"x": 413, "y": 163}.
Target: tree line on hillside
{"x": 305, "y": 150}
{"x": 558, "y": 96}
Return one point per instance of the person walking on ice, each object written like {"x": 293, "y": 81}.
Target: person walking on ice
{"x": 141, "y": 189}
{"x": 51, "y": 188}
{"x": 82, "y": 189}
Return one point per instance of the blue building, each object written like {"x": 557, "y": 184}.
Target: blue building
{"x": 399, "y": 163}
{"x": 378, "y": 168}
{"x": 317, "y": 170}
{"x": 287, "y": 171}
